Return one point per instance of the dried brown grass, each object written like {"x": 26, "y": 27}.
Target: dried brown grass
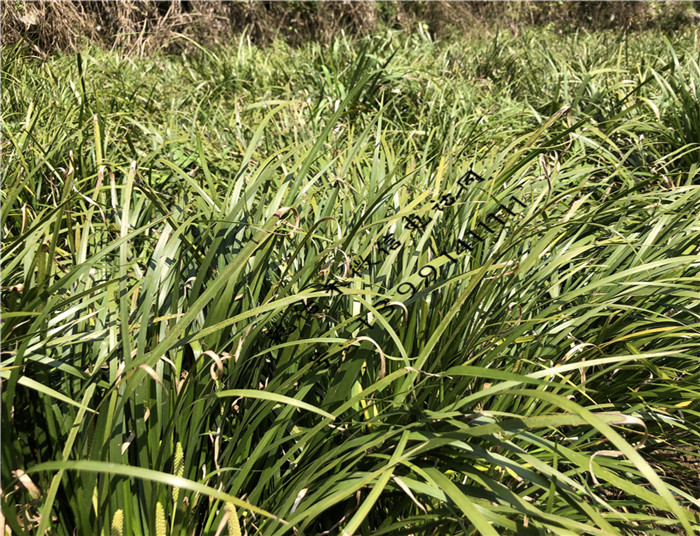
{"x": 136, "y": 27}
{"x": 141, "y": 27}
{"x": 144, "y": 26}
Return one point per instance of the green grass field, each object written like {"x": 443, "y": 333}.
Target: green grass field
{"x": 257, "y": 291}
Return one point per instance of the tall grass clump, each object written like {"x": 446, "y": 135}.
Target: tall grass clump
{"x": 251, "y": 291}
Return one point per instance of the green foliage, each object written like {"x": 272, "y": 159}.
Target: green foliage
{"x": 162, "y": 217}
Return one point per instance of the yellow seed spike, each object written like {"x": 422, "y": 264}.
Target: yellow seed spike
{"x": 234, "y": 528}
{"x": 118, "y": 523}
{"x": 178, "y": 468}
{"x": 160, "y": 520}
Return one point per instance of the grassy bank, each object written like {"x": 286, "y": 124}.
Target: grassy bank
{"x": 257, "y": 290}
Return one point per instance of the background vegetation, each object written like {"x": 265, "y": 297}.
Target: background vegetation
{"x": 167, "y": 220}
{"x": 140, "y": 27}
